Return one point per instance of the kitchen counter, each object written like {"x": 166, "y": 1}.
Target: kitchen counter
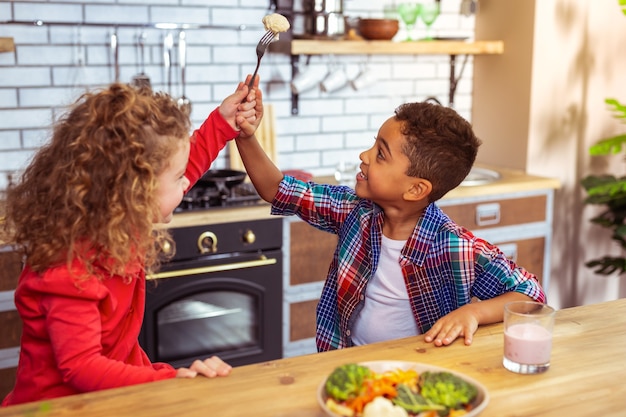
{"x": 510, "y": 181}
{"x": 586, "y": 377}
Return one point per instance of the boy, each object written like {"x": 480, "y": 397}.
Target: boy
{"x": 401, "y": 266}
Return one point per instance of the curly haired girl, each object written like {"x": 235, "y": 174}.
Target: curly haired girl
{"x": 85, "y": 214}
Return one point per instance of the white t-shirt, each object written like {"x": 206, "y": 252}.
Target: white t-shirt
{"x": 386, "y": 314}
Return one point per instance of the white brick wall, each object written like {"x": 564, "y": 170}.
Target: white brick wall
{"x": 54, "y": 62}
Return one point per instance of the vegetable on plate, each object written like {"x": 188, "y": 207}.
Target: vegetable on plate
{"x": 355, "y": 390}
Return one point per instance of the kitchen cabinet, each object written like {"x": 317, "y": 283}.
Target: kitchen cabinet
{"x": 519, "y": 223}
{"x": 10, "y": 322}
{"x": 351, "y": 47}
{"x": 308, "y": 252}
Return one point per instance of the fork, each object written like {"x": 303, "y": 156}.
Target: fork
{"x": 266, "y": 39}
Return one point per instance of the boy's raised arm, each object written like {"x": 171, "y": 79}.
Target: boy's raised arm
{"x": 265, "y": 176}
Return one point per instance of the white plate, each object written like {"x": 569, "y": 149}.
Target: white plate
{"x": 479, "y": 404}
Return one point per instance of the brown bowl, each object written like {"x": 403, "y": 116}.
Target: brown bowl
{"x": 378, "y": 29}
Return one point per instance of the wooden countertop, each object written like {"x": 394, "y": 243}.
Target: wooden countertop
{"x": 586, "y": 377}
{"x": 511, "y": 181}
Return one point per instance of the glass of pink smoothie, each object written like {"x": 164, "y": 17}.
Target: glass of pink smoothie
{"x": 527, "y": 337}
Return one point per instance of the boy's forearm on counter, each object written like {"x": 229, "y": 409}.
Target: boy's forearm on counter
{"x": 492, "y": 310}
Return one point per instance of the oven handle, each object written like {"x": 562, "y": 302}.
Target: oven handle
{"x": 263, "y": 261}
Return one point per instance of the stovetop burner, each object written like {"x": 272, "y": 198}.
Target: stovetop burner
{"x": 204, "y": 197}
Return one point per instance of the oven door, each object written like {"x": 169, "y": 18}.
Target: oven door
{"x": 230, "y": 307}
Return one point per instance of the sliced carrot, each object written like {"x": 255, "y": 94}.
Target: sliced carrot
{"x": 383, "y": 385}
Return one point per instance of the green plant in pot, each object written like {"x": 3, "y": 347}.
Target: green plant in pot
{"x": 609, "y": 191}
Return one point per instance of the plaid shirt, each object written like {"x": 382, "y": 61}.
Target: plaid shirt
{"x": 444, "y": 265}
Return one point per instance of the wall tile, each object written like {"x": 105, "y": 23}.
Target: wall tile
{"x": 24, "y": 118}
{"x": 191, "y": 15}
{"x": 46, "y": 97}
{"x": 5, "y": 11}
{"x": 14, "y": 76}
{"x": 56, "y": 12}
{"x": 112, "y": 13}
{"x": 35, "y": 138}
{"x": 8, "y": 98}
{"x": 9, "y": 139}
{"x": 13, "y": 160}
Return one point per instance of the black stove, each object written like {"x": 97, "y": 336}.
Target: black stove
{"x": 219, "y": 188}
{"x": 203, "y": 198}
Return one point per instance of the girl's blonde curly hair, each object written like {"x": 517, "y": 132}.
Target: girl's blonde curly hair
{"x": 89, "y": 194}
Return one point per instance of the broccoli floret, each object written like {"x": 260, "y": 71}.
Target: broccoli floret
{"x": 446, "y": 389}
{"x": 346, "y": 381}
{"x": 413, "y": 402}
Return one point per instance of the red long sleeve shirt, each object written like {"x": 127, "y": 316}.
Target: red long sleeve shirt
{"x": 81, "y": 336}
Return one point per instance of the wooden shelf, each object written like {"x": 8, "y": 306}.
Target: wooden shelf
{"x": 438, "y": 47}
{"x": 7, "y": 45}
{"x": 353, "y": 47}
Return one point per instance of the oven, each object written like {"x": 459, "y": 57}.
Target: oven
{"x": 221, "y": 294}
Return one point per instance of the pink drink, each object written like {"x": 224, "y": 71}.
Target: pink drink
{"x": 527, "y": 343}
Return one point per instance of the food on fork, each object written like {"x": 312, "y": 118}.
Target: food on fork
{"x": 276, "y": 23}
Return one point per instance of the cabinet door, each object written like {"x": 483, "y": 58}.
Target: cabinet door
{"x": 302, "y": 320}
{"x": 527, "y": 253}
{"x": 510, "y": 214}
{"x": 10, "y": 322}
{"x": 310, "y": 253}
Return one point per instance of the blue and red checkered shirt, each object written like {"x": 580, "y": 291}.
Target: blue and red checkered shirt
{"x": 444, "y": 265}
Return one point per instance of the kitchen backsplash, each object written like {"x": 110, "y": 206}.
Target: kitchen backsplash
{"x": 71, "y": 50}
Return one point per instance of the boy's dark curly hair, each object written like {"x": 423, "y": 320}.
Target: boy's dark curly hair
{"x": 440, "y": 144}
{"x": 89, "y": 193}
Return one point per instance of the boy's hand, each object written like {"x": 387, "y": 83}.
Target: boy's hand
{"x": 249, "y": 125}
{"x": 458, "y": 323}
{"x": 242, "y": 105}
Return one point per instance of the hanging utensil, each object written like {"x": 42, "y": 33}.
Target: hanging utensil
{"x": 183, "y": 102}
{"x": 469, "y": 7}
{"x": 142, "y": 79}
{"x": 115, "y": 55}
{"x": 168, "y": 43}
{"x": 78, "y": 78}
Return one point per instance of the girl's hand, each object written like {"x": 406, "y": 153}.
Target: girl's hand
{"x": 243, "y": 104}
{"x": 210, "y": 368}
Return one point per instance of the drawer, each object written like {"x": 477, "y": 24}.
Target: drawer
{"x": 302, "y": 320}
{"x": 10, "y": 329}
{"x": 505, "y": 212}
{"x": 7, "y": 380}
{"x": 11, "y": 266}
{"x": 310, "y": 253}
